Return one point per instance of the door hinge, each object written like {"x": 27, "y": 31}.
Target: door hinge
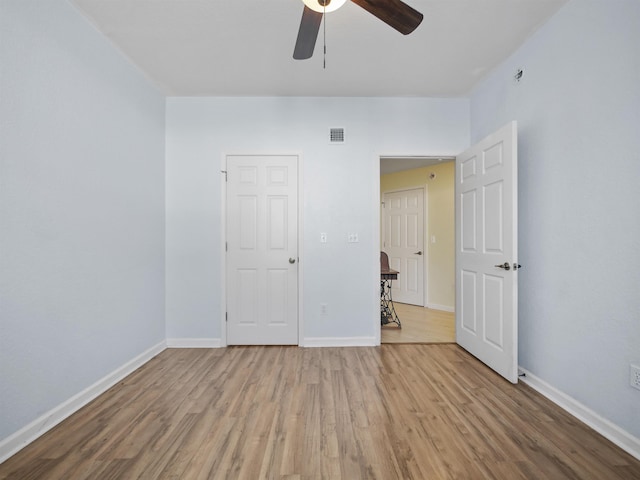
{"x": 226, "y": 246}
{"x": 225, "y": 174}
{"x": 226, "y": 316}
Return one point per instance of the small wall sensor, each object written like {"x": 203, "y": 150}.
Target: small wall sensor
{"x": 518, "y": 75}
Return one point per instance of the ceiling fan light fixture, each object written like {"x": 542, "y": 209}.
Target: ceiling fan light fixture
{"x": 395, "y": 13}
{"x": 329, "y": 5}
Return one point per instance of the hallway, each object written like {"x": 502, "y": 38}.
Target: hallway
{"x": 420, "y": 325}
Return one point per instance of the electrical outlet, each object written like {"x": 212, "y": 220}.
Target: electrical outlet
{"x": 323, "y": 238}
{"x": 323, "y": 309}
{"x": 634, "y": 376}
{"x": 352, "y": 238}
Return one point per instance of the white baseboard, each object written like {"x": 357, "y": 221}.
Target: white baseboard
{"x": 604, "y": 427}
{"x": 194, "y": 343}
{"x": 339, "y": 342}
{"x": 444, "y": 308}
{"x": 23, "y": 437}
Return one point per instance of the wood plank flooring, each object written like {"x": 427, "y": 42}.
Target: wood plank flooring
{"x": 391, "y": 412}
{"x": 420, "y": 325}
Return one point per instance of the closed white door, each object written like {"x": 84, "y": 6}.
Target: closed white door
{"x": 262, "y": 250}
{"x": 487, "y": 251}
{"x": 404, "y": 243}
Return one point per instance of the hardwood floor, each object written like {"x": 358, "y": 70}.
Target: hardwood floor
{"x": 390, "y": 412}
{"x": 420, "y": 325}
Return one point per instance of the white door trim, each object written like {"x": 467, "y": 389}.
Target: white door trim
{"x": 223, "y": 250}
{"x": 223, "y": 239}
{"x": 377, "y": 227}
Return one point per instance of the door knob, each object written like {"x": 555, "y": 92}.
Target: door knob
{"x": 418, "y": 253}
{"x": 505, "y": 265}
{"x": 292, "y": 260}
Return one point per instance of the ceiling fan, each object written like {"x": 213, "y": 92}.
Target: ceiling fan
{"x": 394, "y": 13}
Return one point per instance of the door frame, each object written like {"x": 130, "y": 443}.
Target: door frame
{"x": 223, "y": 238}
{"x": 377, "y": 239}
{"x": 378, "y": 229}
{"x": 425, "y": 234}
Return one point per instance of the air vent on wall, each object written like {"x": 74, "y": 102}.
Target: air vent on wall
{"x": 336, "y": 135}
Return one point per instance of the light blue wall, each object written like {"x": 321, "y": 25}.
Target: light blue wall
{"x": 340, "y": 191}
{"x": 82, "y": 202}
{"x": 81, "y": 209}
{"x": 578, "y": 112}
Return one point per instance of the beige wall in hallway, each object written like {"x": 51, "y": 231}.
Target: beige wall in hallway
{"x": 441, "y": 224}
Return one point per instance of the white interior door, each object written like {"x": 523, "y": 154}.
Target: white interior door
{"x": 487, "y": 251}
{"x": 404, "y": 243}
{"x": 262, "y": 250}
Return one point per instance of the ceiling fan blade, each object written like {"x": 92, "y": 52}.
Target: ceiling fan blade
{"x": 394, "y": 13}
{"x": 308, "y": 33}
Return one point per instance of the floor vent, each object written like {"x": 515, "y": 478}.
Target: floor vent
{"x": 336, "y": 135}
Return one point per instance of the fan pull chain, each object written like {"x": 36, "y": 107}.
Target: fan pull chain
{"x": 324, "y": 34}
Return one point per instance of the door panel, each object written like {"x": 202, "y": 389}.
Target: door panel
{"x": 403, "y": 238}
{"x": 262, "y": 250}
{"x": 486, "y": 238}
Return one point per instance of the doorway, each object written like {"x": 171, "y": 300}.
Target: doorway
{"x": 485, "y": 228}
{"x": 431, "y": 318}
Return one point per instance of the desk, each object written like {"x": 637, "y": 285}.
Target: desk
{"x": 387, "y": 312}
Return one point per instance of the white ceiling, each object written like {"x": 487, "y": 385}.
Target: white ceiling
{"x": 245, "y": 47}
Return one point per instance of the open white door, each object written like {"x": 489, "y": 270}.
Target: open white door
{"x": 487, "y": 251}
